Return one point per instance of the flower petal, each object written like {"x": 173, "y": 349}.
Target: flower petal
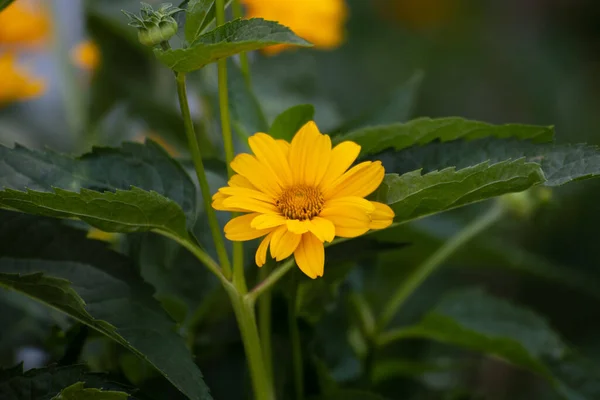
{"x": 261, "y": 253}
{"x": 349, "y": 201}
{"x": 382, "y": 217}
{"x": 265, "y": 221}
{"x": 283, "y": 243}
{"x": 239, "y": 229}
{"x": 258, "y": 174}
{"x": 310, "y": 255}
{"x": 350, "y": 215}
{"x": 249, "y": 193}
{"x": 309, "y": 156}
{"x": 269, "y": 153}
{"x": 284, "y": 146}
{"x": 361, "y": 181}
{"x": 217, "y": 203}
{"x": 239, "y": 181}
{"x": 248, "y": 204}
{"x": 342, "y": 157}
{"x": 322, "y": 228}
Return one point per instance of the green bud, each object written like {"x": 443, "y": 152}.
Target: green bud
{"x": 154, "y": 27}
{"x": 524, "y": 204}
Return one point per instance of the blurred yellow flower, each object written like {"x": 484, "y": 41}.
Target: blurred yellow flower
{"x": 300, "y": 195}
{"x": 16, "y": 84}
{"x": 86, "y": 55}
{"x": 23, "y": 23}
{"x": 321, "y": 22}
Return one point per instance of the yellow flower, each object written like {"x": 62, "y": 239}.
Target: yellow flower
{"x": 301, "y": 195}
{"x": 320, "y": 22}
{"x": 86, "y": 55}
{"x": 16, "y": 84}
{"x": 23, "y": 23}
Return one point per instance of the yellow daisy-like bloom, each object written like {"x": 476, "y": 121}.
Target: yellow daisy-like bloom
{"x": 301, "y": 195}
{"x": 86, "y": 55}
{"x": 321, "y": 22}
{"x": 16, "y": 84}
{"x": 23, "y": 23}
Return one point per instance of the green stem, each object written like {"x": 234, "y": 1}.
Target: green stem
{"x": 201, "y": 174}
{"x": 244, "y": 64}
{"x": 296, "y": 346}
{"x": 435, "y": 260}
{"x": 264, "y": 322}
{"x": 244, "y": 312}
{"x": 271, "y": 280}
{"x": 239, "y": 279}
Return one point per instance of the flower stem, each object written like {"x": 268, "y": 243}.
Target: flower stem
{"x": 239, "y": 279}
{"x": 264, "y": 322}
{"x": 271, "y": 280}
{"x": 244, "y": 64}
{"x": 435, "y": 260}
{"x": 244, "y": 313}
{"x": 201, "y": 174}
{"x": 296, "y": 347}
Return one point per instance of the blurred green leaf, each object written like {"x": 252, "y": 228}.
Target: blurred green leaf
{"x": 195, "y": 15}
{"x": 44, "y": 383}
{"x": 77, "y": 391}
{"x": 42, "y": 257}
{"x": 349, "y": 395}
{"x": 247, "y": 116}
{"x": 413, "y": 195}
{"x": 291, "y": 120}
{"x": 5, "y": 3}
{"x": 560, "y": 163}
{"x": 425, "y": 130}
{"x": 134, "y": 210}
{"x": 227, "y": 40}
{"x": 147, "y": 166}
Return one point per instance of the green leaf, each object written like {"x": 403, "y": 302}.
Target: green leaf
{"x": 227, "y": 40}
{"x": 56, "y": 265}
{"x": 425, "y": 130}
{"x": 5, "y": 3}
{"x": 134, "y": 210}
{"x": 247, "y": 116}
{"x": 413, "y": 195}
{"x": 291, "y": 120}
{"x": 560, "y": 163}
{"x": 195, "y": 15}
{"x": 146, "y": 166}
{"x": 349, "y": 395}
{"x": 77, "y": 392}
{"x": 44, "y": 383}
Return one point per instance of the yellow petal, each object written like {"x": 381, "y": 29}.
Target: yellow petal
{"x": 310, "y": 152}
{"x": 248, "y": 204}
{"x": 382, "y": 217}
{"x": 322, "y": 228}
{"x": 265, "y": 221}
{"x": 217, "y": 203}
{"x": 342, "y": 157}
{"x": 261, "y": 252}
{"x": 258, "y": 174}
{"x": 250, "y": 193}
{"x": 284, "y": 146}
{"x": 310, "y": 255}
{"x": 239, "y": 229}
{"x": 350, "y": 215}
{"x": 297, "y": 226}
{"x": 361, "y": 181}
{"x": 239, "y": 181}
{"x": 269, "y": 153}
{"x": 350, "y": 232}
{"x": 283, "y": 243}
{"x": 349, "y": 201}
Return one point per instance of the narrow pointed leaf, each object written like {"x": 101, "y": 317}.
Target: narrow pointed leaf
{"x": 195, "y": 15}
{"x": 227, "y": 40}
{"x": 56, "y": 265}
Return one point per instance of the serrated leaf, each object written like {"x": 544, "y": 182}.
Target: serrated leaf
{"x": 195, "y": 15}
{"x": 413, "y": 195}
{"x": 77, "y": 391}
{"x": 247, "y": 116}
{"x": 425, "y": 130}
{"x": 146, "y": 166}
{"x": 39, "y": 256}
{"x": 44, "y": 383}
{"x": 227, "y": 40}
{"x": 291, "y": 120}
{"x": 561, "y": 163}
{"x": 129, "y": 211}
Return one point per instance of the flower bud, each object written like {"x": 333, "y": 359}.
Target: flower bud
{"x": 524, "y": 204}
{"x": 154, "y": 27}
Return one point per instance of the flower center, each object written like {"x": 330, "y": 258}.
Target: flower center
{"x": 300, "y": 202}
